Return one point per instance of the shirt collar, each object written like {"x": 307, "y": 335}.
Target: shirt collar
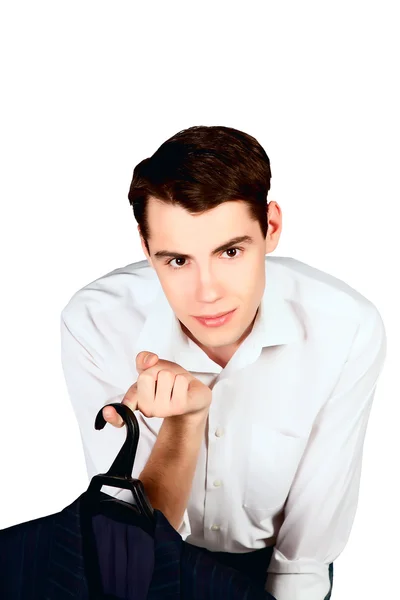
{"x": 276, "y": 324}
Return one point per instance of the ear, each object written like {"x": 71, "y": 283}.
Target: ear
{"x": 274, "y": 226}
{"x": 144, "y": 248}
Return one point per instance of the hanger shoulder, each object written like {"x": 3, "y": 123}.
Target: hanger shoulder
{"x": 117, "y": 510}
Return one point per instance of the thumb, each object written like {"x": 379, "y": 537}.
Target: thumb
{"x": 145, "y": 359}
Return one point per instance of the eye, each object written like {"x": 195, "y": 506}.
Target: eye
{"x": 169, "y": 263}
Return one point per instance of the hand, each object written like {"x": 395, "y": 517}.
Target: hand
{"x": 163, "y": 389}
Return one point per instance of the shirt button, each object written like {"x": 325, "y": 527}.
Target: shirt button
{"x": 215, "y": 528}
{"x": 217, "y": 482}
{"x": 219, "y": 432}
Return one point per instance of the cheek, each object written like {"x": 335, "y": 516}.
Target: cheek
{"x": 252, "y": 289}
{"x": 249, "y": 282}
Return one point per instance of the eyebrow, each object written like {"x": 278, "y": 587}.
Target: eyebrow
{"x": 242, "y": 239}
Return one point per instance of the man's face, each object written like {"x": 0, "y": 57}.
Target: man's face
{"x": 209, "y": 283}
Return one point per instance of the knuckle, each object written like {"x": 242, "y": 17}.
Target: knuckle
{"x": 145, "y": 375}
{"x": 166, "y": 374}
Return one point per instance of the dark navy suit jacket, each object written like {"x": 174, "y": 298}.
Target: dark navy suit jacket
{"x": 68, "y": 556}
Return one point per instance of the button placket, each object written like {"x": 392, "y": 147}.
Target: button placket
{"x": 213, "y": 524}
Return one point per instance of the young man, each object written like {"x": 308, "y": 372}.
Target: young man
{"x": 251, "y": 426}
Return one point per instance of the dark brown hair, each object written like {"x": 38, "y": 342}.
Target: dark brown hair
{"x": 198, "y": 169}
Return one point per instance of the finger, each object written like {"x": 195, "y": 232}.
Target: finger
{"x": 150, "y": 357}
{"x": 179, "y": 397}
{"x": 112, "y": 417}
{"x": 145, "y": 392}
{"x": 163, "y": 392}
{"x": 131, "y": 398}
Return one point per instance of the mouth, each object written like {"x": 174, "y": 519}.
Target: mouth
{"x": 208, "y": 317}
{"x": 216, "y": 321}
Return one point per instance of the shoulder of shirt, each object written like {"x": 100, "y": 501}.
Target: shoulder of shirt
{"x": 129, "y": 291}
{"x": 316, "y": 292}
{"x": 130, "y": 288}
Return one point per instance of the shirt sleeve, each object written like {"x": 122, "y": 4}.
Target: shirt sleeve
{"x": 321, "y": 505}
{"x": 90, "y": 386}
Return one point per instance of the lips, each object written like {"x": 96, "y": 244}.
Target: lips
{"x": 214, "y": 316}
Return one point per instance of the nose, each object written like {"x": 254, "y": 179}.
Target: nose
{"x": 208, "y": 287}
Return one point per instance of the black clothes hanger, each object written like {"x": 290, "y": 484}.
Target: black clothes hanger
{"x": 94, "y": 502}
{"x": 119, "y": 475}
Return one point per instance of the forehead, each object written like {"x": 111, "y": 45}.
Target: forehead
{"x": 226, "y": 214}
{"x": 176, "y": 233}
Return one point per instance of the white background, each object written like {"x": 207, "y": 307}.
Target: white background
{"x": 91, "y": 88}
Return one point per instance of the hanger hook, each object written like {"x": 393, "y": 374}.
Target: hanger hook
{"x": 123, "y": 463}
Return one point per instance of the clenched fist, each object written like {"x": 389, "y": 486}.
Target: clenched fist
{"x": 163, "y": 389}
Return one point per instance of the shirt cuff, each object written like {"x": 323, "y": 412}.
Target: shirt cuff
{"x": 303, "y": 579}
{"x": 298, "y": 586}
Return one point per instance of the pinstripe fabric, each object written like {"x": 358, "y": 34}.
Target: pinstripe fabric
{"x": 57, "y": 558}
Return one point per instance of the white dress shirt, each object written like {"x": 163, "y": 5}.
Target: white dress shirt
{"x": 280, "y": 462}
